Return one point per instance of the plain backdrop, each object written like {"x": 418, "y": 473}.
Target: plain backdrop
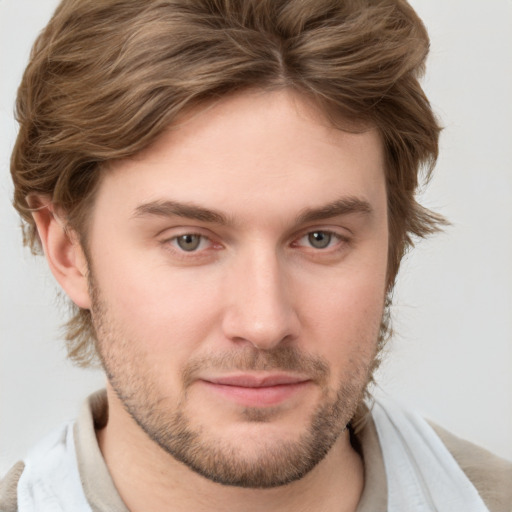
{"x": 451, "y": 358}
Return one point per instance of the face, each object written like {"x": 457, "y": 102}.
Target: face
{"x": 237, "y": 281}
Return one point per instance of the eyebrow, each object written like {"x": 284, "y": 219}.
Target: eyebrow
{"x": 167, "y": 208}
{"x": 344, "y": 206}
{"x": 177, "y": 209}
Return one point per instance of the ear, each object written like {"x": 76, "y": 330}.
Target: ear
{"x": 63, "y": 251}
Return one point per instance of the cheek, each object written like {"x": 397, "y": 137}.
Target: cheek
{"x": 346, "y": 313}
{"x": 165, "y": 311}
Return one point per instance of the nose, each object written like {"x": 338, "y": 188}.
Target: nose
{"x": 260, "y": 307}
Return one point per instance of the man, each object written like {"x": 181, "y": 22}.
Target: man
{"x": 225, "y": 191}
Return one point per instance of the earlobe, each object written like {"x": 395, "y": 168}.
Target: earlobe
{"x": 63, "y": 252}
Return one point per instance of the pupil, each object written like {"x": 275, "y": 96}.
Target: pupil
{"x": 189, "y": 242}
{"x": 319, "y": 239}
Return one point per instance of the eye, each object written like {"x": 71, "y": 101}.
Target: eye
{"x": 190, "y": 247}
{"x": 190, "y": 242}
{"x": 320, "y": 239}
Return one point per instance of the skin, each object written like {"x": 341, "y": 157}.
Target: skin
{"x": 287, "y": 282}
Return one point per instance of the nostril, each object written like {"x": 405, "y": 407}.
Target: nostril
{"x": 262, "y": 334}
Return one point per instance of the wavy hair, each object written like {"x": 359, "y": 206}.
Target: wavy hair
{"x": 107, "y": 77}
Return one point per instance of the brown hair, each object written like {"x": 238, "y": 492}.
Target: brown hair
{"x": 107, "y": 77}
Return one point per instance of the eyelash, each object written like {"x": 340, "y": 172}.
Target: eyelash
{"x": 171, "y": 245}
{"x": 335, "y": 240}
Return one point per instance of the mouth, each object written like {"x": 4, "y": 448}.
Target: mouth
{"x": 257, "y": 390}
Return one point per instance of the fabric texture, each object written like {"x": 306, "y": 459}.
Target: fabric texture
{"x": 422, "y": 475}
{"x": 50, "y": 481}
{"x": 490, "y": 475}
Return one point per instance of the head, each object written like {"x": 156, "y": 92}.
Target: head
{"x": 115, "y": 83}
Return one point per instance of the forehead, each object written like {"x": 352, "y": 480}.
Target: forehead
{"x": 264, "y": 152}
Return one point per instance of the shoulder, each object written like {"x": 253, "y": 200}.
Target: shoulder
{"x": 8, "y": 488}
{"x": 428, "y": 451}
{"x": 491, "y": 475}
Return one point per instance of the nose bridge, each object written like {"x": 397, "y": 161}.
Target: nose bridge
{"x": 260, "y": 308}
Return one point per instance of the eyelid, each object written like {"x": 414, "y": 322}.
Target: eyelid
{"x": 169, "y": 240}
{"x": 169, "y": 236}
{"x": 335, "y": 233}
{"x": 202, "y": 241}
{"x": 171, "y": 232}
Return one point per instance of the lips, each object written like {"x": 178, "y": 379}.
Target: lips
{"x": 257, "y": 390}
{"x": 257, "y": 381}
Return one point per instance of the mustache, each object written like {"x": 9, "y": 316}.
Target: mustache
{"x": 247, "y": 359}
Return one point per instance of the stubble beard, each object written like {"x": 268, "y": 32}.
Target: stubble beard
{"x": 276, "y": 463}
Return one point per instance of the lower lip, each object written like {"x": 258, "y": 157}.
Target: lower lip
{"x": 266, "y": 396}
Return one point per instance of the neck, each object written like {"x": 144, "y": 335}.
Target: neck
{"x": 147, "y": 478}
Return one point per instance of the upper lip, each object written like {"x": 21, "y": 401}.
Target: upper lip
{"x": 248, "y": 380}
